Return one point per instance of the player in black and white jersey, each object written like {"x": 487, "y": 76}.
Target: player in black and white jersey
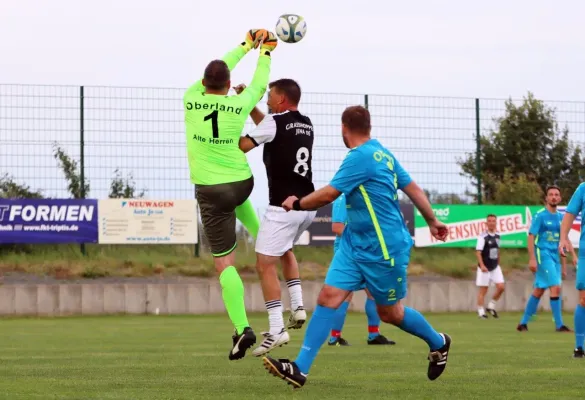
{"x": 288, "y": 137}
{"x": 488, "y": 267}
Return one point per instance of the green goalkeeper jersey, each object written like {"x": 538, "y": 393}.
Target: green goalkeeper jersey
{"x": 214, "y": 124}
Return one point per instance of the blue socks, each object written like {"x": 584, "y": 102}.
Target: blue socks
{"x": 315, "y": 336}
{"x": 579, "y": 325}
{"x": 555, "y": 306}
{"x": 415, "y": 324}
{"x": 373, "y": 319}
{"x": 531, "y": 308}
{"x": 339, "y": 321}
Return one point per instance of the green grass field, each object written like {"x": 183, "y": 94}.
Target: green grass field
{"x": 185, "y": 357}
{"x": 66, "y": 261}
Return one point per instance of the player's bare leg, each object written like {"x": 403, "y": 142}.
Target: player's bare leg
{"x": 481, "y": 301}
{"x": 290, "y": 270}
{"x": 491, "y": 308}
{"x": 233, "y": 298}
{"x": 413, "y": 322}
{"x": 277, "y": 335}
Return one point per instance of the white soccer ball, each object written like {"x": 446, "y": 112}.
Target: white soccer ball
{"x": 291, "y": 28}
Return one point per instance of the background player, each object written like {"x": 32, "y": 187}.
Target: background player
{"x": 288, "y": 138}
{"x": 576, "y": 206}
{"x": 545, "y": 260}
{"x": 339, "y": 219}
{"x": 375, "y": 247}
{"x": 487, "y": 252}
{"x": 220, "y": 171}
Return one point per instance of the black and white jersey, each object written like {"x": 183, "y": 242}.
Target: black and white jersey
{"x": 288, "y": 152}
{"x": 489, "y": 245}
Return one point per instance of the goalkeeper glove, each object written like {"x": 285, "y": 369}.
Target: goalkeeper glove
{"x": 269, "y": 43}
{"x": 253, "y": 38}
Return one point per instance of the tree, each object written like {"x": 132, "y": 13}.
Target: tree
{"x": 124, "y": 188}
{"x": 444, "y": 198}
{"x": 70, "y": 169}
{"x": 10, "y": 189}
{"x": 518, "y": 190}
{"x": 526, "y": 146}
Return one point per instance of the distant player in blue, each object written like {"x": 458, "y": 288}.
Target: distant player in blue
{"x": 545, "y": 260}
{"x": 338, "y": 221}
{"x": 374, "y": 249}
{"x": 576, "y": 206}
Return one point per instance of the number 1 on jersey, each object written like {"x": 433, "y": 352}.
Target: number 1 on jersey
{"x": 214, "y": 127}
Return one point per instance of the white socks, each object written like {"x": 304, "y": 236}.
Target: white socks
{"x": 492, "y": 305}
{"x": 296, "y": 293}
{"x": 480, "y": 311}
{"x": 274, "y": 308}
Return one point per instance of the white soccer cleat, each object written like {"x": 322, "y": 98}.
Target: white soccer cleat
{"x": 270, "y": 342}
{"x": 297, "y": 318}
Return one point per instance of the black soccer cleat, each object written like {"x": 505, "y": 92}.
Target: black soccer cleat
{"x": 381, "y": 339}
{"x": 493, "y": 312}
{"x": 564, "y": 329}
{"x": 483, "y": 316}
{"x": 286, "y": 370}
{"x": 438, "y": 359}
{"x": 522, "y": 328}
{"x": 242, "y": 343}
{"x": 579, "y": 353}
{"x": 339, "y": 342}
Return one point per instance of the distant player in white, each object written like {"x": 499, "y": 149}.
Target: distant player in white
{"x": 488, "y": 267}
{"x": 288, "y": 137}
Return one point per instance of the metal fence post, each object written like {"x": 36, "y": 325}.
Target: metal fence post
{"x": 196, "y": 249}
{"x": 366, "y": 101}
{"x": 82, "y": 151}
{"x": 478, "y": 152}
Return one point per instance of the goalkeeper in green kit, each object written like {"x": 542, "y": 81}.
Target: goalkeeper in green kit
{"x": 220, "y": 171}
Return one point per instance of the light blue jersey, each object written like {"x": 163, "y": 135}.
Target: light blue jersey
{"x": 370, "y": 177}
{"x": 546, "y": 227}
{"x": 339, "y": 215}
{"x": 576, "y": 206}
{"x": 374, "y": 251}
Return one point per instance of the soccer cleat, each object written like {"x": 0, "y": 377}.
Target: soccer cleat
{"x": 297, "y": 318}
{"x": 381, "y": 339}
{"x": 242, "y": 343}
{"x": 493, "y": 312}
{"x": 579, "y": 353}
{"x": 522, "y": 328}
{"x": 483, "y": 316}
{"x": 438, "y": 359}
{"x": 564, "y": 329}
{"x": 286, "y": 370}
{"x": 271, "y": 342}
{"x": 339, "y": 341}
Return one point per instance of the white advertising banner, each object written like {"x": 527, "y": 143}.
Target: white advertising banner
{"x": 137, "y": 221}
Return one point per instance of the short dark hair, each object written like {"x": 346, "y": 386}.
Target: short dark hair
{"x": 216, "y": 75}
{"x": 357, "y": 119}
{"x": 551, "y": 187}
{"x": 492, "y": 215}
{"x": 290, "y": 89}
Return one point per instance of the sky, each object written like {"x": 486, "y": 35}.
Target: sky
{"x": 454, "y": 48}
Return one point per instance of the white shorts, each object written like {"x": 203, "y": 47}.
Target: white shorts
{"x": 484, "y": 278}
{"x": 280, "y": 230}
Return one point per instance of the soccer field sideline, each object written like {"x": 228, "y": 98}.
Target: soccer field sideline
{"x": 185, "y": 357}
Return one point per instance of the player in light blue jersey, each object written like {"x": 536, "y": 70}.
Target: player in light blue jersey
{"x": 338, "y": 222}
{"x": 374, "y": 249}
{"x": 576, "y": 206}
{"x": 545, "y": 261}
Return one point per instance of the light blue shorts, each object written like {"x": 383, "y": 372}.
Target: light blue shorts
{"x": 386, "y": 281}
{"x": 580, "y": 281}
{"x": 548, "y": 272}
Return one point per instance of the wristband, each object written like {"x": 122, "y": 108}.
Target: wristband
{"x": 296, "y": 205}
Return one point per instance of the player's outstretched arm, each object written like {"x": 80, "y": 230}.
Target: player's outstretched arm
{"x": 423, "y": 205}
{"x": 233, "y": 57}
{"x": 251, "y": 95}
{"x": 313, "y": 201}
